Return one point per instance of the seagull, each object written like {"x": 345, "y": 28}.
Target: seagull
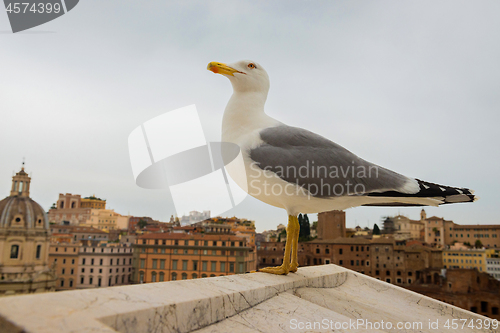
{"x": 303, "y": 172}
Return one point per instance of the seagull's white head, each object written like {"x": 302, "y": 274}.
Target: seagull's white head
{"x": 245, "y": 75}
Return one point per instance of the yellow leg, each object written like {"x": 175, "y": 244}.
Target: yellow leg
{"x": 285, "y": 267}
{"x": 295, "y": 246}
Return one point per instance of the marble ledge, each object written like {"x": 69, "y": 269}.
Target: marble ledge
{"x": 255, "y": 302}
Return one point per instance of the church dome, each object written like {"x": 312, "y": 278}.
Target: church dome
{"x": 20, "y": 211}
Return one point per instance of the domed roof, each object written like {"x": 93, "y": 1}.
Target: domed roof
{"x": 20, "y": 211}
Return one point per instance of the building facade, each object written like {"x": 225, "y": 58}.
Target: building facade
{"x": 68, "y": 210}
{"x": 105, "y": 265}
{"x": 64, "y": 258}
{"x": 24, "y": 242}
{"x": 175, "y": 256}
{"x": 466, "y": 258}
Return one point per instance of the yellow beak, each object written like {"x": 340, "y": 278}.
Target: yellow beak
{"x": 220, "y": 68}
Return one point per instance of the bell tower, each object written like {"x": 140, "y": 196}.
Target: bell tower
{"x": 21, "y": 184}
{"x": 423, "y": 215}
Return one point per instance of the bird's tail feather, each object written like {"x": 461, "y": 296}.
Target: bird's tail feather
{"x": 440, "y": 195}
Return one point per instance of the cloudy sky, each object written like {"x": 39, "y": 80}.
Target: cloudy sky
{"x": 412, "y": 86}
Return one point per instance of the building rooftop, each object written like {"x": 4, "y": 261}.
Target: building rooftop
{"x": 317, "y": 295}
{"x": 198, "y": 236}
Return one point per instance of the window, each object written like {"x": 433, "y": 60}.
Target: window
{"x": 91, "y": 261}
{"x": 162, "y": 264}
{"x": 222, "y": 266}
{"x": 194, "y": 276}
{"x": 184, "y": 265}
{"x": 141, "y": 277}
{"x": 195, "y": 265}
{"x": 341, "y": 262}
{"x": 64, "y": 261}
{"x": 174, "y": 276}
{"x": 155, "y": 263}
{"x": 153, "y": 277}
{"x": 162, "y": 277}
{"x": 184, "y": 276}
{"x": 204, "y": 266}
{"x": 241, "y": 267}
{"x": 110, "y": 262}
{"x": 340, "y": 251}
{"x": 231, "y": 267}
{"x": 91, "y": 279}
{"x": 174, "y": 264}
{"x": 327, "y": 261}
{"x": 38, "y": 251}
{"x": 72, "y": 261}
{"x": 317, "y": 250}
{"x": 213, "y": 266}
{"x": 143, "y": 263}
{"x": 82, "y": 280}
{"x": 62, "y": 282}
{"x": 484, "y": 306}
{"x": 327, "y": 251}
{"x": 14, "y": 252}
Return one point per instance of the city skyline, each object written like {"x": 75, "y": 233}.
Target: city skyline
{"x": 408, "y": 88}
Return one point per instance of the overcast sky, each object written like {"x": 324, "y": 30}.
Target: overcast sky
{"x": 411, "y": 86}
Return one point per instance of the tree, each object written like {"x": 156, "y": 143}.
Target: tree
{"x": 307, "y": 226}
{"x": 142, "y": 223}
{"x": 376, "y": 229}
{"x": 282, "y": 235}
{"x": 478, "y": 244}
{"x": 301, "y": 224}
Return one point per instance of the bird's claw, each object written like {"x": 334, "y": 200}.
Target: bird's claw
{"x": 278, "y": 270}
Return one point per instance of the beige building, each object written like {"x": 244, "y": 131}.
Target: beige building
{"x": 104, "y": 266}
{"x": 106, "y": 220}
{"x": 24, "y": 242}
{"x": 488, "y": 235}
{"x": 64, "y": 258}
{"x": 68, "y": 210}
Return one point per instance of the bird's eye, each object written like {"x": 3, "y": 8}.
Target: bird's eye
{"x": 251, "y": 65}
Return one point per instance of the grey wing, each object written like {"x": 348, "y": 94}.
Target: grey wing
{"x": 323, "y": 167}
